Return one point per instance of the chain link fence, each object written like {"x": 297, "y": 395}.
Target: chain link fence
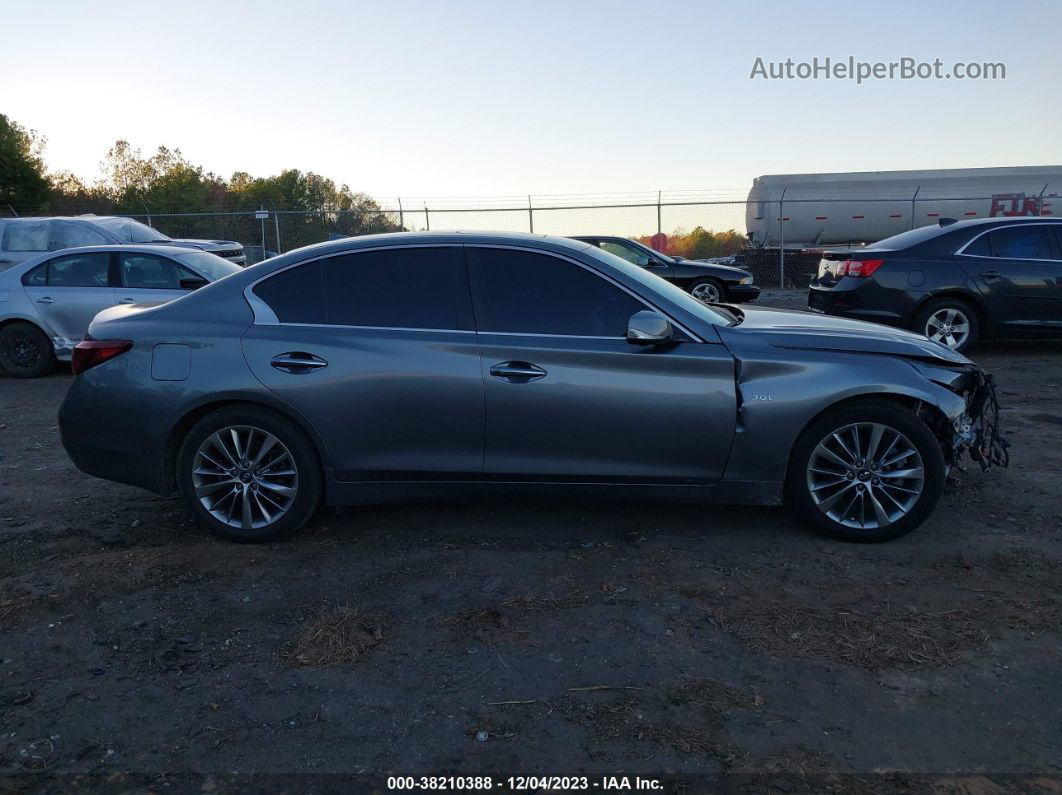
{"x": 778, "y": 241}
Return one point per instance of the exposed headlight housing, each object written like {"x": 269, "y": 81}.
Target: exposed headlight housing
{"x": 746, "y": 280}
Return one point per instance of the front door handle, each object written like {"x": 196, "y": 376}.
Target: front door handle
{"x": 990, "y": 275}
{"x": 45, "y": 300}
{"x": 517, "y": 372}
{"x": 127, "y": 301}
{"x": 297, "y": 362}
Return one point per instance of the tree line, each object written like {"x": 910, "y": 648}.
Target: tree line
{"x": 131, "y": 183}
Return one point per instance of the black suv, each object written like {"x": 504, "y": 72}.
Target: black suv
{"x": 709, "y": 282}
{"x": 955, "y": 282}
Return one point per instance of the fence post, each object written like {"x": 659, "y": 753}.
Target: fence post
{"x": 781, "y": 242}
{"x": 530, "y": 215}
{"x": 913, "y": 200}
{"x": 401, "y": 216}
{"x": 262, "y": 206}
{"x": 659, "y": 226}
{"x": 427, "y": 221}
{"x": 1040, "y": 201}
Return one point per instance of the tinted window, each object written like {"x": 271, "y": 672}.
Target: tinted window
{"x": 907, "y": 239}
{"x": 979, "y": 247}
{"x": 1021, "y": 242}
{"x": 294, "y": 295}
{"x": 395, "y": 288}
{"x": 539, "y": 294}
{"x": 38, "y": 277}
{"x": 79, "y": 270}
{"x": 151, "y": 272}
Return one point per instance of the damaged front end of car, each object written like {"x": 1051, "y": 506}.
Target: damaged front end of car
{"x": 976, "y": 429}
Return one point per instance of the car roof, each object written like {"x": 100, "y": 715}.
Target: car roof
{"x": 1000, "y": 220}
{"x": 136, "y": 248}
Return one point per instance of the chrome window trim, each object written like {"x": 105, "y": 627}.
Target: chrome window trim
{"x": 265, "y": 316}
{"x": 962, "y": 251}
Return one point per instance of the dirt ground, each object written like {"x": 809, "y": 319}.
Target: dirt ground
{"x": 723, "y": 648}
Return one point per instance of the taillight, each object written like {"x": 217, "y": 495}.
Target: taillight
{"x": 89, "y": 353}
{"x": 859, "y": 267}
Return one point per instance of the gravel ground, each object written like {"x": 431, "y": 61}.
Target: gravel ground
{"x": 707, "y": 644}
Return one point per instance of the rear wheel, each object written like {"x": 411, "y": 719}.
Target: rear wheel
{"x": 711, "y": 291}
{"x": 249, "y": 474}
{"x": 26, "y": 351}
{"x": 866, "y": 472}
{"x": 949, "y": 321}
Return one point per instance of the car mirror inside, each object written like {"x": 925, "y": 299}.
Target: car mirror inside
{"x": 649, "y": 328}
{"x": 192, "y": 283}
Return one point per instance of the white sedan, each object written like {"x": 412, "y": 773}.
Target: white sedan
{"x": 47, "y": 303}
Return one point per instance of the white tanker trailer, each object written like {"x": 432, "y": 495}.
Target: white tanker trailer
{"x": 804, "y": 210}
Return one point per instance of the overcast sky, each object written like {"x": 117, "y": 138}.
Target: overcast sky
{"x": 506, "y": 98}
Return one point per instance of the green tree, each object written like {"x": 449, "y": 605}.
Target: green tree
{"x": 22, "y": 179}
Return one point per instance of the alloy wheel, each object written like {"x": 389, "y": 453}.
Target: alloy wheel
{"x": 22, "y": 350}
{"x": 948, "y": 326}
{"x": 245, "y": 477}
{"x": 865, "y": 476}
{"x": 706, "y": 292}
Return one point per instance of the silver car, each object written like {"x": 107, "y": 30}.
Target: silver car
{"x": 414, "y": 365}
{"x": 47, "y": 302}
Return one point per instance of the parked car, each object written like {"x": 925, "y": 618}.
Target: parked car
{"x": 47, "y": 303}
{"x": 955, "y": 282}
{"x": 412, "y": 365}
{"x": 25, "y": 238}
{"x": 709, "y": 282}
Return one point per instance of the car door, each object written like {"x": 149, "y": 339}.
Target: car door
{"x": 68, "y": 291}
{"x": 149, "y": 278}
{"x": 377, "y": 349}
{"x": 568, "y": 398}
{"x": 1019, "y": 271}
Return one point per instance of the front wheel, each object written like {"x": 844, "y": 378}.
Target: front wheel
{"x": 710, "y": 291}
{"x": 249, "y": 474}
{"x": 866, "y": 472}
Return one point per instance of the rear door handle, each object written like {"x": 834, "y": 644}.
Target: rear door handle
{"x": 127, "y": 301}
{"x": 297, "y": 362}
{"x": 517, "y": 372}
{"x": 990, "y": 275}
{"x": 45, "y": 300}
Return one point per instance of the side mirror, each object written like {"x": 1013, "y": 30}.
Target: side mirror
{"x": 649, "y": 328}
{"x": 191, "y": 283}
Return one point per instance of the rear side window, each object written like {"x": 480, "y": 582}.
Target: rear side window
{"x": 295, "y": 295}
{"x": 26, "y": 236}
{"x": 1021, "y": 242}
{"x": 76, "y": 270}
{"x": 531, "y": 293}
{"x": 68, "y": 234}
{"x": 392, "y": 288}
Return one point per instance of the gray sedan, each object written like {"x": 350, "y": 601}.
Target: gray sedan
{"x": 421, "y": 365}
{"x": 47, "y": 302}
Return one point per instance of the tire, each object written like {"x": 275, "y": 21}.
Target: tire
{"x": 941, "y": 314}
{"x": 709, "y": 290}
{"x": 26, "y": 351}
{"x": 217, "y": 473}
{"x": 906, "y": 502}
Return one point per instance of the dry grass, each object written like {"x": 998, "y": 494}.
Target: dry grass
{"x": 335, "y": 636}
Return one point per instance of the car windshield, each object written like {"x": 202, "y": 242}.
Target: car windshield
{"x": 673, "y": 293}
{"x": 209, "y": 265}
{"x": 906, "y": 239}
{"x": 129, "y": 231}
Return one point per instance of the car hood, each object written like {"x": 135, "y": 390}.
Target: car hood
{"x": 192, "y": 241}
{"x": 782, "y": 328}
{"x": 713, "y": 268}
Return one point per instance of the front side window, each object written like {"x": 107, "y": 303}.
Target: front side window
{"x": 129, "y": 231}
{"x": 532, "y": 293}
{"x": 77, "y": 270}
{"x": 151, "y": 272}
{"x": 1021, "y": 242}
